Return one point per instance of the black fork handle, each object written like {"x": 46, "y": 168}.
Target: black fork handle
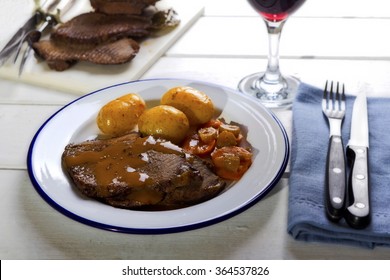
{"x": 335, "y": 179}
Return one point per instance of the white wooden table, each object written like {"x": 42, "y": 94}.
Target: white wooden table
{"x": 343, "y": 40}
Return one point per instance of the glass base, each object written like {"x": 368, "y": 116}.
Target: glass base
{"x": 271, "y": 95}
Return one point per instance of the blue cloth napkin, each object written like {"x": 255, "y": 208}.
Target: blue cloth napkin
{"x": 306, "y": 217}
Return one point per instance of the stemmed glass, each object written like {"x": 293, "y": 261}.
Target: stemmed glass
{"x": 270, "y": 87}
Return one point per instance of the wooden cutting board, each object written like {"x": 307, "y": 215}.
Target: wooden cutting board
{"x": 86, "y": 77}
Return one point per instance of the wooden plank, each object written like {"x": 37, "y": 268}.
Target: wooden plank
{"x": 302, "y": 37}
{"x": 229, "y": 71}
{"x": 31, "y": 229}
{"x": 311, "y": 8}
{"x": 12, "y": 92}
{"x": 19, "y": 124}
{"x": 44, "y": 233}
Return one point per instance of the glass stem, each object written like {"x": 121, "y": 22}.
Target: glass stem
{"x": 272, "y": 78}
{"x": 274, "y": 29}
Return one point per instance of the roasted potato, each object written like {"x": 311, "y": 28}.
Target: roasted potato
{"x": 164, "y": 121}
{"x": 121, "y": 115}
{"x": 197, "y": 106}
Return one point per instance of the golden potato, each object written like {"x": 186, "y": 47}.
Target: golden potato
{"x": 164, "y": 121}
{"x": 121, "y": 115}
{"x": 197, "y": 106}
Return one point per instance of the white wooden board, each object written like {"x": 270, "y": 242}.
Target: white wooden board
{"x": 86, "y": 77}
{"x": 325, "y": 38}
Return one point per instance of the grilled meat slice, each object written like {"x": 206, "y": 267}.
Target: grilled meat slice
{"x": 61, "y": 56}
{"x": 131, "y": 7}
{"x": 140, "y": 173}
{"x": 97, "y": 28}
{"x": 83, "y": 173}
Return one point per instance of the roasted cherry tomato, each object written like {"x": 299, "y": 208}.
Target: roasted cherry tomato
{"x": 194, "y": 145}
{"x": 213, "y": 123}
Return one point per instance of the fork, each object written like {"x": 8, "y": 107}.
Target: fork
{"x": 50, "y": 17}
{"x": 333, "y": 107}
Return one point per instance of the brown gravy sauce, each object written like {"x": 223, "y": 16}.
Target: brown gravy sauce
{"x": 121, "y": 161}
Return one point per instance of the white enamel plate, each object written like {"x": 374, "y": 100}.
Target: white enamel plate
{"x": 76, "y": 122}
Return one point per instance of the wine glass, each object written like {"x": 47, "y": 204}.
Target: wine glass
{"x": 270, "y": 87}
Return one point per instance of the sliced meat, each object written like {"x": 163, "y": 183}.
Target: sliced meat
{"x": 97, "y": 28}
{"x": 104, "y": 38}
{"x": 140, "y": 173}
{"x": 61, "y": 56}
{"x": 131, "y": 7}
{"x": 83, "y": 173}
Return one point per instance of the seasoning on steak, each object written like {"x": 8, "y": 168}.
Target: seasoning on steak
{"x": 96, "y": 28}
{"x": 140, "y": 173}
{"x": 61, "y": 56}
{"x": 131, "y": 7}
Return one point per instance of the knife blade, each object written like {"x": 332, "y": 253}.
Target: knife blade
{"x": 358, "y": 212}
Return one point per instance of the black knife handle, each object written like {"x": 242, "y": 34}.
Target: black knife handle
{"x": 358, "y": 211}
{"x": 335, "y": 179}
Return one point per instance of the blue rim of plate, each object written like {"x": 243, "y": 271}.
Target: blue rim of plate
{"x": 145, "y": 231}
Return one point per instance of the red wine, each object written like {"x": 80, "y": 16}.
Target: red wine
{"x": 276, "y": 10}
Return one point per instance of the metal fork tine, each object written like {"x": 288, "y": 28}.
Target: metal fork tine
{"x": 24, "y": 59}
{"x": 18, "y": 51}
{"x": 25, "y": 35}
{"x": 343, "y": 98}
{"x": 340, "y": 97}
{"x": 337, "y": 97}
{"x": 32, "y": 36}
{"x": 325, "y": 97}
{"x": 331, "y": 100}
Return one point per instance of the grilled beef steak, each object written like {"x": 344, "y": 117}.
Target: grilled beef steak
{"x": 140, "y": 173}
{"x": 97, "y": 28}
{"x": 131, "y": 7}
{"x": 61, "y": 56}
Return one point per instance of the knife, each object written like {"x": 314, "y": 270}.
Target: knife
{"x": 357, "y": 213}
